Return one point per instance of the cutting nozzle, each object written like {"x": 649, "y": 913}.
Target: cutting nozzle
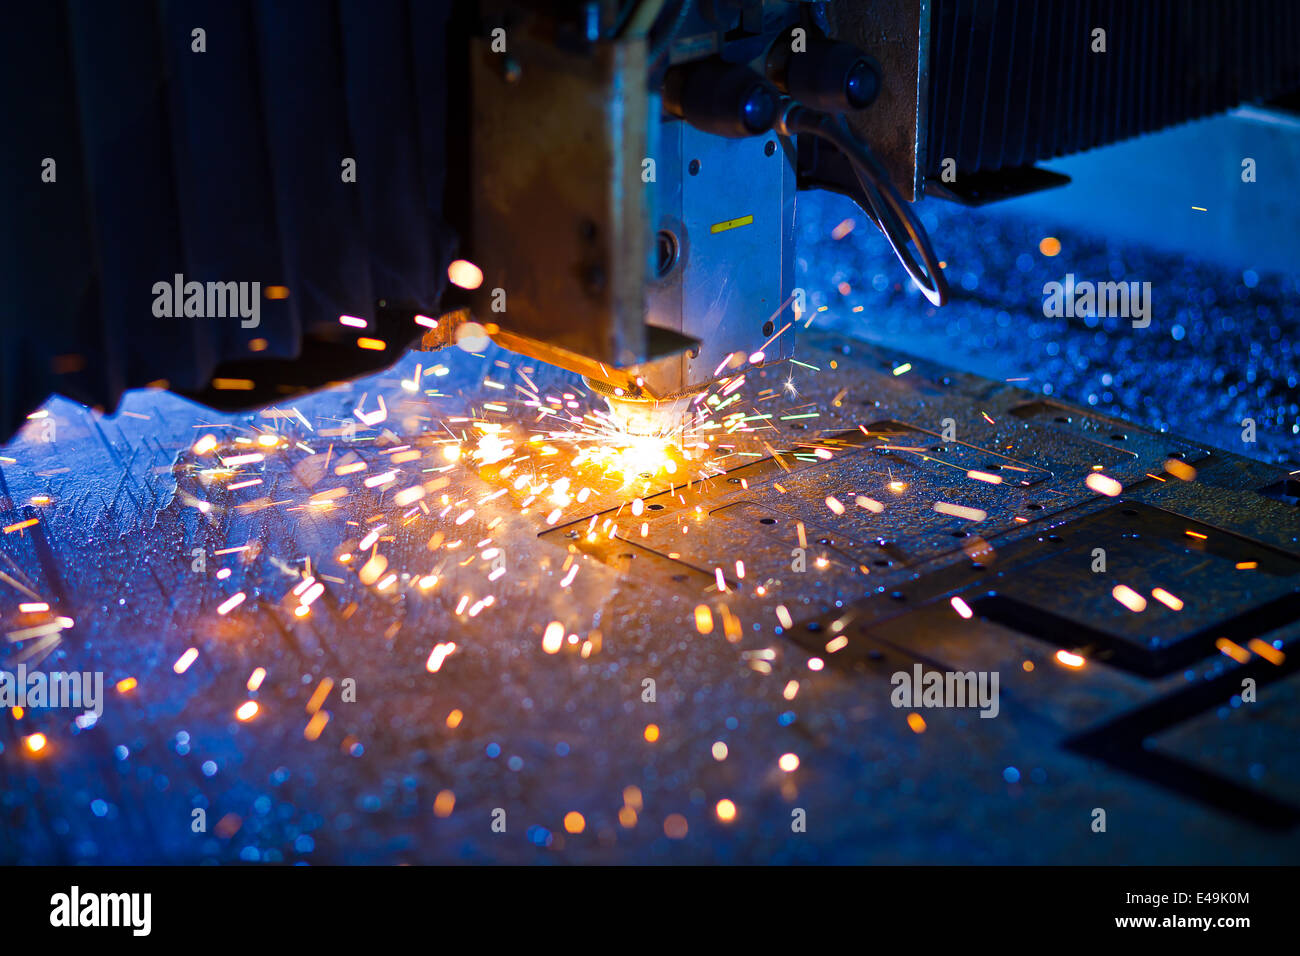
{"x": 640, "y": 414}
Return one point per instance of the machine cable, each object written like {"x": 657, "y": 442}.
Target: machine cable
{"x": 883, "y": 204}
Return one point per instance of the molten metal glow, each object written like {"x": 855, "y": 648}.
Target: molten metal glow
{"x": 631, "y": 457}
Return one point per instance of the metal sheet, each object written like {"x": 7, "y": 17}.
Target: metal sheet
{"x": 541, "y": 730}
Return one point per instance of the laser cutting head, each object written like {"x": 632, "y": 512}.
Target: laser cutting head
{"x": 632, "y": 204}
{"x": 641, "y": 415}
{"x": 616, "y": 239}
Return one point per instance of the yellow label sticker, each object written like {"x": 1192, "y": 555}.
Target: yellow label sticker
{"x": 730, "y": 224}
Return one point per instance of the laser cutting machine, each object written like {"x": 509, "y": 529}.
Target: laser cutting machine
{"x": 609, "y": 189}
